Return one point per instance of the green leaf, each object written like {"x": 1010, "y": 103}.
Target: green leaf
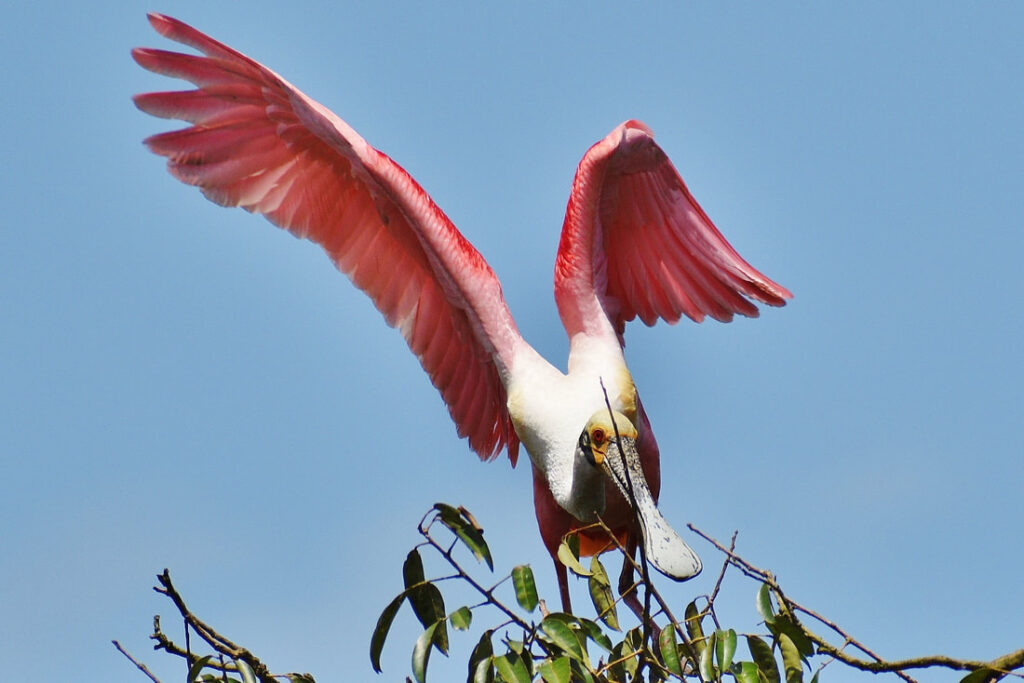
{"x": 707, "y": 668}
{"x": 593, "y": 631}
{"x": 745, "y": 672}
{"x": 981, "y": 675}
{"x": 725, "y": 648}
{"x": 764, "y": 603}
{"x": 482, "y": 653}
{"x": 526, "y": 589}
{"x": 527, "y": 660}
{"x": 421, "y": 653}
{"x": 461, "y": 618}
{"x": 467, "y": 530}
{"x": 669, "y": 653}
{"x": 555, "y": 670}
{"x": 197, "y": 667}
{"x": 425, "y": 598}
{"x": 762, "y": 654}
{"x": 598, "y": 572}
{"x": 482, "y": 672}
{"x": 564, "y": 617}
{"x": 246, "y": 671}
{"x": 581, "y": 672}
{"x": 412, "y": 569}
{"x": 571, "y": 557}
{"x": 511, "y": 668}
{"x": 428, "y": 604}
{"x": 380, "y": 632}
{"x": 617, "y": 669}
{"x": 300, "y": 678}
{"x": 791, "y": 659}
{"x": 601, "y": 594}
{"x": 785, "y": 624}
{"x": 692, "y": 619}
{"x": 561, "y": 635}
{"x": 622, "y": 654}
{"x": 573, "y": 541}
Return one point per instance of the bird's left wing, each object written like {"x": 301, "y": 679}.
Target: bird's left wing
{"x": 259, "y": 143}
{"x": 635, "y": 243}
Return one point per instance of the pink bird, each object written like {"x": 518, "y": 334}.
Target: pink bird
{"x": 634, "y": 243}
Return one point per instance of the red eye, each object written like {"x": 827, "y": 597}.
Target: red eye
{"x": 597, "y": 436}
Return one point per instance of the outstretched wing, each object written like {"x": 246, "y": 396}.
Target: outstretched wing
{"x": 258, "y": 143}
{"x": 635, "y": 243}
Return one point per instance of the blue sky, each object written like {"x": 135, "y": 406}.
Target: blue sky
{"x": 185, "y": 386}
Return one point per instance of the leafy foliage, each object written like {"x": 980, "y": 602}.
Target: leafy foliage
{"x": 527, "y": 645}
{"x": 556, "y": 647}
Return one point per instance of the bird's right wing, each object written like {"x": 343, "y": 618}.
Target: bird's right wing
{"x": 259, "y": 143}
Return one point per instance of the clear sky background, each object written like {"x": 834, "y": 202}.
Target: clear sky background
{"x": 185, "y": 386}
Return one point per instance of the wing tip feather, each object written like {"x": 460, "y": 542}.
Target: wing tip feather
{"x": 160, "y": 22}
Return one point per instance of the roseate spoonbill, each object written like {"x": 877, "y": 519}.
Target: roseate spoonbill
{"x": 634, "y": 244}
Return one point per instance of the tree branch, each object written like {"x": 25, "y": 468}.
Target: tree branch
{"x": 215, "y": 640}
{"x": 637, "y": 647}
{"x": 1001, "y": 666}
{"x": 487, "y": 593}
{"x": 138, "y": 665}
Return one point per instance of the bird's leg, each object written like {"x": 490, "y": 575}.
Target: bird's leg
{"x": 628, "y": 587}
{"x": 563, "y": 586}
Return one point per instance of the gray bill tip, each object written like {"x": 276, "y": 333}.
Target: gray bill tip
{"x": 665, "y": 549}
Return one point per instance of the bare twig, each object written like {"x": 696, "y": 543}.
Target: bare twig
{"x": 645, "y": 619}
{"x": 1005, "y": 665}
{"x": 487, "y": 593}
{"x": 215, "y": 640}
{"x": 138, "y": 665}
{"x": 231, "y": 655}
{"x": 624, "y": 658}
{"x": 650, "y": 588}
{"x": 721, "y": 574}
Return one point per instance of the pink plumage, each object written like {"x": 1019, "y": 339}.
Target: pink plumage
{"x": 258, "y": 143}
{"x": 634, "y": 243}
{"x": 636, "y": 237}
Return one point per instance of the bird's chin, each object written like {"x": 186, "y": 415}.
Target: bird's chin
{"x": 587, "y": 501}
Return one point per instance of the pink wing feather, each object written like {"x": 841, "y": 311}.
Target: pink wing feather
{"x": 635, "y": 243}
{"x": 259, "y": 143}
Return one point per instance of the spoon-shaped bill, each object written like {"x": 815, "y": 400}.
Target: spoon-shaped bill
{"x": 664, "y": 548}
